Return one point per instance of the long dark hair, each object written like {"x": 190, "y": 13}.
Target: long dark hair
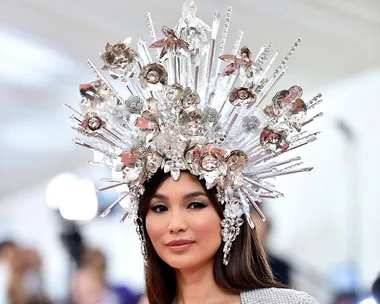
{"x": 248, "y": 267}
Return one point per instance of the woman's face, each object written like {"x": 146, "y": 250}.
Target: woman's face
{"x": 182, "y": 223}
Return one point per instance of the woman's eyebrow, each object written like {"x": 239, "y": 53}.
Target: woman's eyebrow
{"x": 159, "y": 196}
{"x": 194, "y": 194}
{"x": 186, "y": 196}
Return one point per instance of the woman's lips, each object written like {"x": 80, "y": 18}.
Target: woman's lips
{"x": 179, "y": 245}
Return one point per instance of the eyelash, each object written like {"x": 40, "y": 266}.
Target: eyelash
{"x": 192, "y": 205}
{"x": 200, "y": 205}
{"x": 156, "y": 208}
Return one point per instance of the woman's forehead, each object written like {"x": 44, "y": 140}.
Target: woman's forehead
{"x": 187, "y": 183}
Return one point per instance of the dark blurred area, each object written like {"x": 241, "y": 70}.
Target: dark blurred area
{"x": 21, "y": 274}
{"x": 21, "y": 278}
{"x": 89, "y": 281}
{"x": 285, "y": 269}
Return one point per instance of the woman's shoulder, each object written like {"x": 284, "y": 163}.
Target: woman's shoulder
{"x": 276, "y": 295}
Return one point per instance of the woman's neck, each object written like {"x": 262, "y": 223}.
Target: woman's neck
{"x": 195, "y": 286}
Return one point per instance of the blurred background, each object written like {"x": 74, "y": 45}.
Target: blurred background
{"x": 327, "y": 228}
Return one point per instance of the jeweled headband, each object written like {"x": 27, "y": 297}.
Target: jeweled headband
{"x": 190, "y": 105}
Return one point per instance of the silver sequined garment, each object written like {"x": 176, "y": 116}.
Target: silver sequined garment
{"x": 276, "y": 296}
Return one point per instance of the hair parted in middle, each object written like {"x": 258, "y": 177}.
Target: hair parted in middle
{"x": 248, "y": 267}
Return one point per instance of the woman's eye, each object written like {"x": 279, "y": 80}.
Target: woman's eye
{"x": 159, "y": 208}
{"x": 196, "y": 205}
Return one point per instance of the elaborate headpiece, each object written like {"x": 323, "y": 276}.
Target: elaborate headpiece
{"x": 181, "y": 110}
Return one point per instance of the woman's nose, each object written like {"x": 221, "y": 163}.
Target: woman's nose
{"x": 177, "y": 222}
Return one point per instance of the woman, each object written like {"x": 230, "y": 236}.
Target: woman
{"x": 90, "y": 283}
{"x": 182, "y": 117}
{"x": 376, "y": 289}
{"x": 185, "y": 250}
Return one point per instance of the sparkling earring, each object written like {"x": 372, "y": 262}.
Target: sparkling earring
{"x": 140, "y": 232}
{"x": 231, "y": 227}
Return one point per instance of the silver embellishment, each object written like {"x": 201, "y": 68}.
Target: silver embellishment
{"x": 182, "y": 113}
{"x": 140, "y": 232}
{"x": 231, "y": 226}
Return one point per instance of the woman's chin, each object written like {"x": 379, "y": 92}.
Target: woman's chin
{"x": 187, "y": 261}
{"x": 181, "y": 262}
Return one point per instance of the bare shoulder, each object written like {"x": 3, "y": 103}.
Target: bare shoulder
{"x": 276, "y": 295}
